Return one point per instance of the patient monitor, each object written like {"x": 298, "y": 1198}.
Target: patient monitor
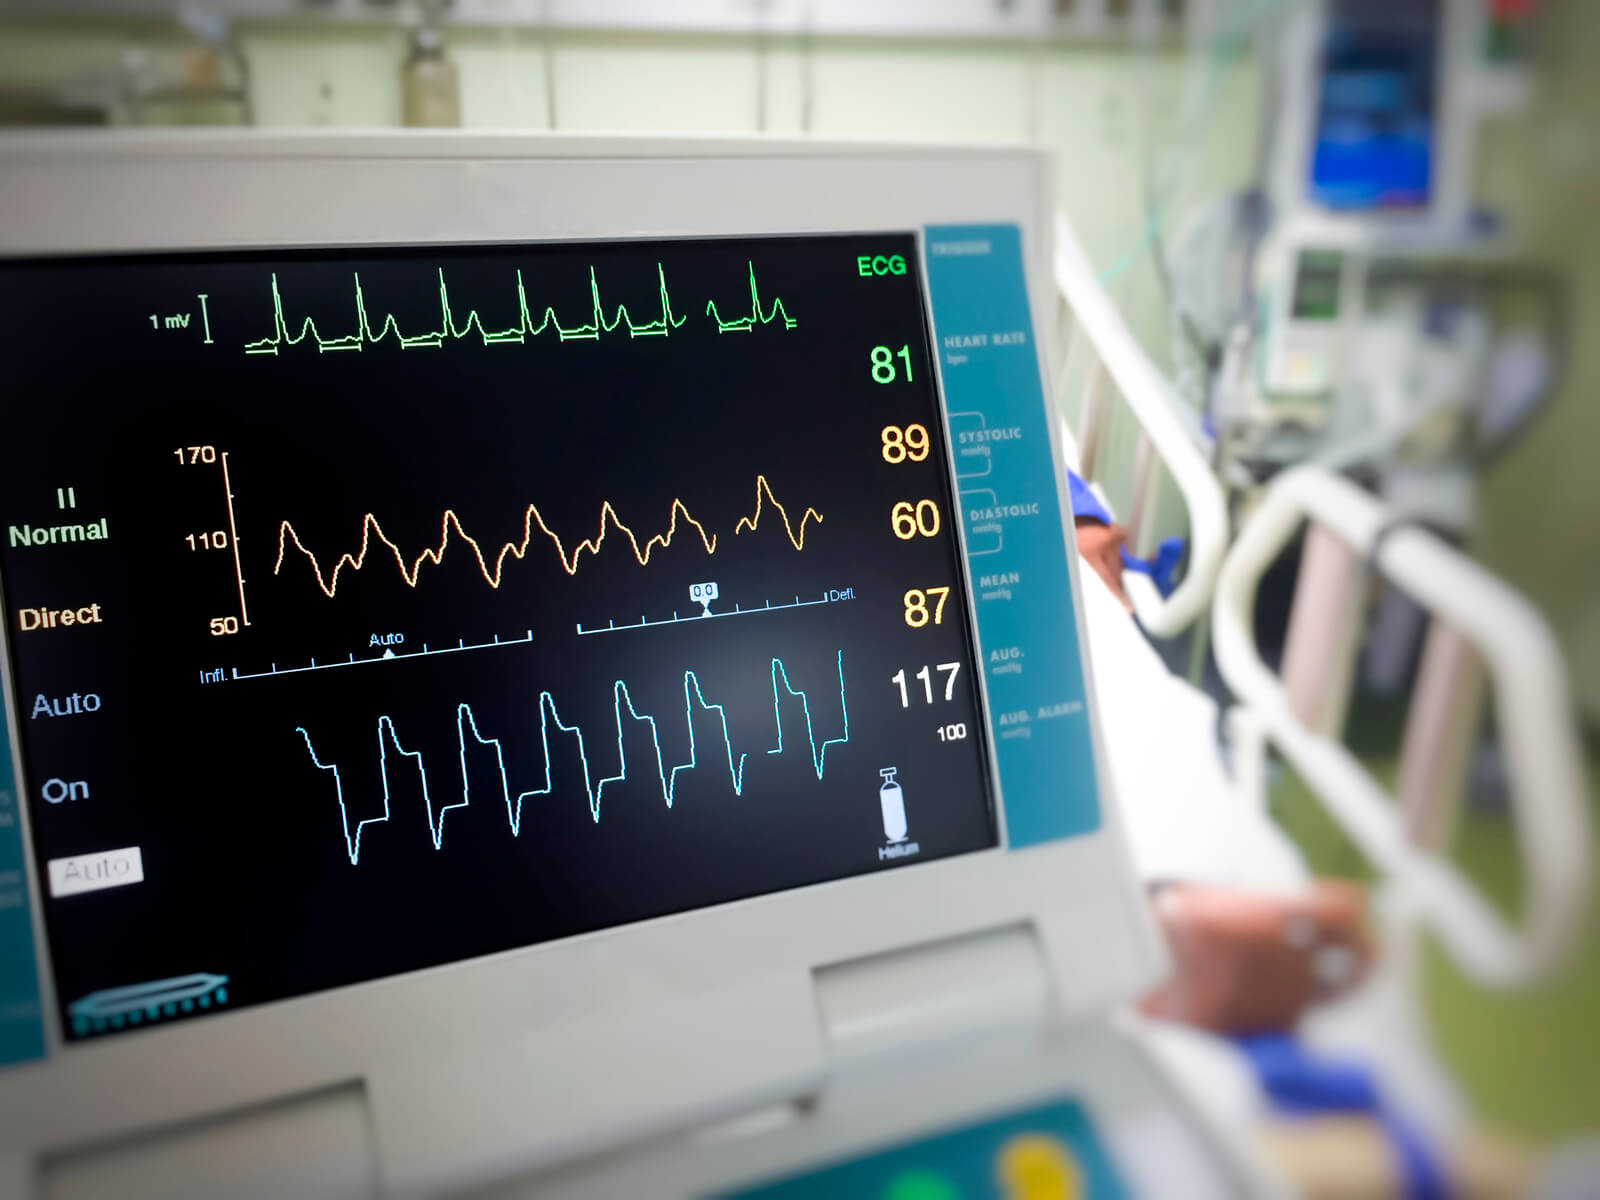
{"x": 552, "y": 665}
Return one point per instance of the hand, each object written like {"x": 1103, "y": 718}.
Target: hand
{"x": 1250, "y": 962}
{"x": 1101, "y": 546}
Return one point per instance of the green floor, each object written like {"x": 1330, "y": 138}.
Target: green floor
{"x": 1530, "y": 1061}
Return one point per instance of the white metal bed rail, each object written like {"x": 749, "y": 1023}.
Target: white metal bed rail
{"x": 1160, "y": 414}
{"x": 1474, "y": 614}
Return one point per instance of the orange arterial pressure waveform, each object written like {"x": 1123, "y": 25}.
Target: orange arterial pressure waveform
{"x": 569, "y": 563}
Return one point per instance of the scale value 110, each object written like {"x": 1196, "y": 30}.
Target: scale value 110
{"x": 948, "y": 670}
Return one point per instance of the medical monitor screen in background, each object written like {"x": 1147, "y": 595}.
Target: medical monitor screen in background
{"x": 1377, "y": 105}
{"x": 371, "y": 610}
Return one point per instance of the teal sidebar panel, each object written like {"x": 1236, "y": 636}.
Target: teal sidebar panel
{"x": 21, "y": 1017}
{"x": 1016, "y": 537}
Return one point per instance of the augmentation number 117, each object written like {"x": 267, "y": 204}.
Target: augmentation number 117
{"x": 950, "y": 670}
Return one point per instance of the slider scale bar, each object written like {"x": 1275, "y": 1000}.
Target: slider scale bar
{"x": 353, "y": 661}
{"x": 675, "y": 619}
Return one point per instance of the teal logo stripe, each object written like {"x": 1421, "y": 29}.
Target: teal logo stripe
{"x": 21, "y": 1017}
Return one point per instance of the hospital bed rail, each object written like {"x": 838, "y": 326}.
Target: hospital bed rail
{"x": 1481, "y": 631}
{"x": 1164, "y": 434}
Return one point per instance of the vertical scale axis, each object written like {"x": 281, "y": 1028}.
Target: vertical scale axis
{"x": 233, "y": 534}
{"x": 205, "y": 315}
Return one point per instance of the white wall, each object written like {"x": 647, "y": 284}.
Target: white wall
{"x": 1085, "y": 102}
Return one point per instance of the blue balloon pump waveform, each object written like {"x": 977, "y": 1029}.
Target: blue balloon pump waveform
{"x": 390, "y": 750}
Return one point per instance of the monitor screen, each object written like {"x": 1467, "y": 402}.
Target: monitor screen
{"x": 369, "y": 610}
{"x": 1377, "y": 105}
{"x": 1317, "y": 283}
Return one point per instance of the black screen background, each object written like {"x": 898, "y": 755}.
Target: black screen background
{"x": 246, "y": 871}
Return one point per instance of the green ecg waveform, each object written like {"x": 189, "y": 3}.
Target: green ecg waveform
{"x": 452, "y": 329}
{"x": 746, "y": 324}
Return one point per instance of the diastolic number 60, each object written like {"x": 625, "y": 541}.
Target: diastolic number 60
{"x": 911, "y": 519}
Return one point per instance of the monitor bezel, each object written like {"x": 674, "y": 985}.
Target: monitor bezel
{"x": 731, "y": 984}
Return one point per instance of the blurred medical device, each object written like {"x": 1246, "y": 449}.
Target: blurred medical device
{"x": 1356, "y": 306}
